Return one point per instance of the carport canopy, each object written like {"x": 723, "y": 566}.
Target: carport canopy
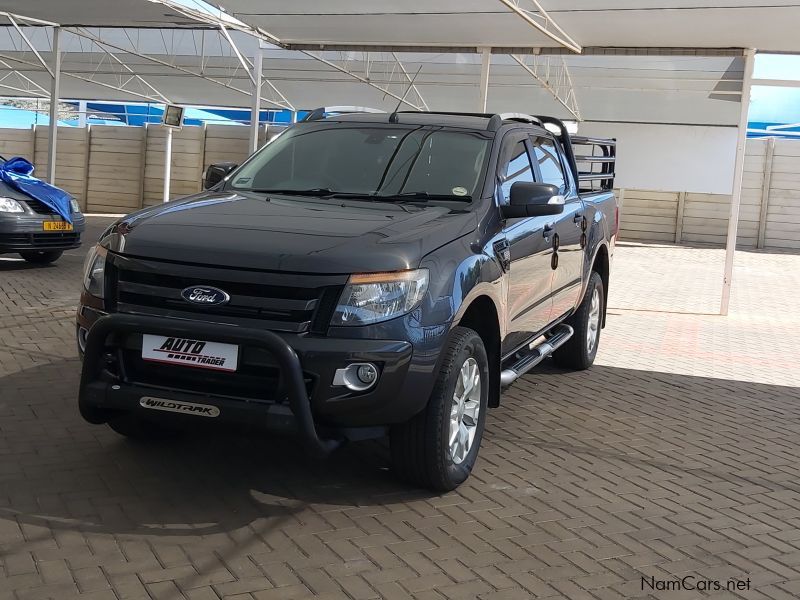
{"x": 590, "y": 60}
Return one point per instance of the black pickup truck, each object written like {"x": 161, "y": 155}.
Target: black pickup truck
{"x": 361, "y": 275}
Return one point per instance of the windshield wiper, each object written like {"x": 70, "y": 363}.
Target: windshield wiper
{"x": 320, "y": 192}
{"x": 424, "y": 197}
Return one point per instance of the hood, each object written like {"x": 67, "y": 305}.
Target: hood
{"x": 9, "y": 192}
{"x": 316, "y": 235}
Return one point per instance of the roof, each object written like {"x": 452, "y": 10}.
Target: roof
{"x": 679, "y": 64}
{"x": 101, "y": 13}
{"x": 398, "y": 24}
{"x": 663, "y": 89}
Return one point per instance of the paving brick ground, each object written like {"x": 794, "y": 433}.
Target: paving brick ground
{"x": 677, "y": 454}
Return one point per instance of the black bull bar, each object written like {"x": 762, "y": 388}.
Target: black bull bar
{"x": 287, "y": 359}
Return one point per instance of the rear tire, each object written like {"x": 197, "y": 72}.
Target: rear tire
{"x": 437, "y": 448}
{"x": 41, "y": 257}
{"x": 581, "y": 349}
{"x": 136, "y": 428}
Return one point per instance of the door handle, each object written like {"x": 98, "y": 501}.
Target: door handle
{"x": 577, "y": 219}
{"x": 548, "y": 229}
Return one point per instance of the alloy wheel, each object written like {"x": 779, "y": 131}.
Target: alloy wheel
{"x": 465, "y": 410}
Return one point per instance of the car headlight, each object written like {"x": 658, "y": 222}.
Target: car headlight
{"x": 373, "y": 297}
{"x": 10, "y": 205}
{"x": 73, "y": 204}
{"x": 94, "y": 268}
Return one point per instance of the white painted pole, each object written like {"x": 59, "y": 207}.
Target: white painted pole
{"x": 766, "y": 186}
{"x": 52, "y": 137}
{"x": 82, "y": 114}
{"x": 167, "y": 162}
{"x": 486, "y": 61}
{"x": 738, "y": 171}
{"x": 255, "y": 113}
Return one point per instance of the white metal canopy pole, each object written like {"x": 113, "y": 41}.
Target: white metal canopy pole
{"x": 255, "y": 112}
{"x": 167, "y": 162}
{"x": 738, "y": 171}
{"x": 486, "y": 61}
{"x": 52, "y": 137}
{"x": 82, "y": 114}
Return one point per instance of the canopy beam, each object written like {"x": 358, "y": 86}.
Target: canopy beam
{"x": 538, "y": 18}
{"x": 121, "y": 63}
{"x": 39, "y": 90}
{"x": 363, "y": 79}
{"x": 28, "y": 43}
{"x": 163, "y": 63}
{"x": 554, "y": 78}
{"x": 247, "y": 67}
{"x": 410, "y": 80}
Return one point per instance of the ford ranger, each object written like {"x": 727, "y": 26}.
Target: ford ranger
{"x": 361, "y": 275}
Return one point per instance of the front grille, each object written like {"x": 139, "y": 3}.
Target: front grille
{"x": 276, "y": 301}
{"x": 43, "y": 240}
{"x": 39, "y": 207}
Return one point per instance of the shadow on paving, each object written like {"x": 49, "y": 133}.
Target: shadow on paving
{"x": 60, "y": 473}
{"x": 19, "y": 264}
{"x": 88, "y": 478}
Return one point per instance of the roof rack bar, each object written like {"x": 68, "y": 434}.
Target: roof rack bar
{"x": 596, "y": 176}
{"x": 448, "y": 112}
{"x": 323, "y": 111}
{"x": 520, "y": 117}
{"x": 580, "y": 140}
{"x": 596, "y": 159}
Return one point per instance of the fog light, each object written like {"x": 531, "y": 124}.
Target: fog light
{"x": 356, "y": 377}
{"x": 367, "y": 374}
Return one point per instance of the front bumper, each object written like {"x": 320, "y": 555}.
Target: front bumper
{"x": 300, "y": 397}
{"x": 25, "y": 232}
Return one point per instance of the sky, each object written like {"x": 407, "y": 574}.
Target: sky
{"x": 776, "y": 105}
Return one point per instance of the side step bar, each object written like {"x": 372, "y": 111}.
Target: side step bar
{"x": 560, "y": 335}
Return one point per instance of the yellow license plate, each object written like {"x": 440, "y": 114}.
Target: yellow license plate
{"x": 57, "y": 226}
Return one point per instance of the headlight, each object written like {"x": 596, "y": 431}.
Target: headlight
{"x": 73, "y": 204}
{"x": 94, "y": 271}
{"x": 10, "y": 205}
{"x": 373, "y": 297}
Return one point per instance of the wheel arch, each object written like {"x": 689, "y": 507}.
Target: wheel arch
{"x": 601, "y": 264}
{"x": 481, "y": 315}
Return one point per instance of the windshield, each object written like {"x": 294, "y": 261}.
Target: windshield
{"x": 371, "y": 161}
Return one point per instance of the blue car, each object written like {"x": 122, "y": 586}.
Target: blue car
{"x": 38, "y": 221}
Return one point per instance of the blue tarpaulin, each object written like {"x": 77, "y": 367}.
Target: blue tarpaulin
{"x": 17, "y": 172}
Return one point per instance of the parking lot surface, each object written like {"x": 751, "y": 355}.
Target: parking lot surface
{"x": 676, "y": 458}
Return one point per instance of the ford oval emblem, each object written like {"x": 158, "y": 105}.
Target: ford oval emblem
{"x": 205, "y": 295}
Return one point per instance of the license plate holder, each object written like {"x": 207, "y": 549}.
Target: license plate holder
{"x": 57, "y": 226}
{"x": 186, "y": 352}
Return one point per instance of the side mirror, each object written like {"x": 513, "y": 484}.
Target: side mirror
{"x": 533, "y": 200}
{"x": 216, "y": 173}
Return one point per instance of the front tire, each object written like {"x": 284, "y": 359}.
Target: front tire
{"x": 581, "y": 349}
{"x": 42, "y": 257}
{"x": 438, "y": 447}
